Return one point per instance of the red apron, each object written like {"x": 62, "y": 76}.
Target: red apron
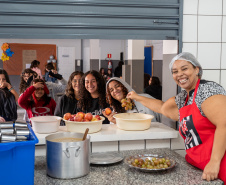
{"x": 198, "y": 134}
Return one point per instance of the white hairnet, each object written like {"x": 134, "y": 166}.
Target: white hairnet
{"x": 188, "y": 57}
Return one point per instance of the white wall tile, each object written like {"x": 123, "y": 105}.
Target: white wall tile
{"x": 131, "y": 145}
{"x": 190, "y": 7}
{"x": 223, "y": 57}
{"x": 224, "y": 7}
{"x": 170, "y": 46}
{"x": 209, "y": 28}
{"x": 191, "y": 48}
{"x": 210, "y": 7}
{"x": 224, "y": 28}
{"x": 211, "y": 75}
{"x": 189, "y": 28}
{"x": 209, "y": 55}
{"x": 157, "y": 143}
{"x": 106, "y": 146}
{"x": 223, "y": 78}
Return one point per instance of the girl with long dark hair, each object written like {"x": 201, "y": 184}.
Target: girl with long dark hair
{"x": 8, "y": 98}
{"x": 116, "y": 90}
{"x": 68, "y": 102}
{"x": 35, "y": 100}
{"x": 92, "y": 94}
{"x": 154, "y": 89}
{"x": 26, "y": 77}
{"x": 35, "y": 67}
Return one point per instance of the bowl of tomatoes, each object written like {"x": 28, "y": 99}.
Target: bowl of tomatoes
{"x": 81, "y": 121}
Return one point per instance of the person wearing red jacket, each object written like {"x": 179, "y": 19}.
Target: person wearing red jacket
{"x": 35, "y": 100}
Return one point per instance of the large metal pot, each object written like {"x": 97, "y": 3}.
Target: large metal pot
{"x": 67, "y": 160}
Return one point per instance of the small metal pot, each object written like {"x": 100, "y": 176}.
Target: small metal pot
{"x": 7, "y": 131}
{"x": 6, "y": 125}
{"x": 66, "y": 160}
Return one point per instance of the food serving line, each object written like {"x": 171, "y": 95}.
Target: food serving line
{"x": 113, "y": 153}
{"x": 110, "y": 161}
{"x": 120, "y": 173}
{"x": 111, "y": 138}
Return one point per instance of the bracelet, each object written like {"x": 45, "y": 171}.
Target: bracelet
{"x": 11, "y": 89}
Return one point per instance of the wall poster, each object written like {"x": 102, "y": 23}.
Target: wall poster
{"x": 24, "y": 54}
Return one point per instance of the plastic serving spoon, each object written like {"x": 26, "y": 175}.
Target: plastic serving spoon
{"x": 85, "y": 134}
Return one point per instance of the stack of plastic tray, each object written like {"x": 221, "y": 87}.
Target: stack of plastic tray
{"x": 17, "y": 161}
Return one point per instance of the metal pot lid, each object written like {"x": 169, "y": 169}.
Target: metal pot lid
{"x": 105, "y": 158}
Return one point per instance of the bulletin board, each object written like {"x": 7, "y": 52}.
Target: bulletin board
{"x": 25, "y": 54}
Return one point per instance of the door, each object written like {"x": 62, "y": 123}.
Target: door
{"x": 148, "y": 60}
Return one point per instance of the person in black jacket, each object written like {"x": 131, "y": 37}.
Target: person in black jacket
{"x": 118, "y": 70}
{"x": 8, "y": 98}
{"x": 92, "y": 95}
{"x": 51, "y": 74}
{"x": 154, "y": 89}
{"x": 146, "y": 80}
{"x": 68, "y": 102}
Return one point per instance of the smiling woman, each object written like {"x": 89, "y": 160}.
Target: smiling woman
{"x": 201, "y": 108}
{"x": 68, "y": 102}
{"x": 117, "y": 90}
{"x": 92, "y": 95}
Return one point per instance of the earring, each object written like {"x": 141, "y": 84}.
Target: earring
{"x": 197, "y": 74}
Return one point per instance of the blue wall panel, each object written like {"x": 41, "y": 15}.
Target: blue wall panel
{"x": 148, "y": 60}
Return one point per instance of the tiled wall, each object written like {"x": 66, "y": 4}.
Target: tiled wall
{"x": 175, "y": 144}
{"x": 204, "y": 35}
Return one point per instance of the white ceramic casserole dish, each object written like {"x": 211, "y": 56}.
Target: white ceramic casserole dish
{"x": 133, "y": 121}
{"x": 45, "y": 124}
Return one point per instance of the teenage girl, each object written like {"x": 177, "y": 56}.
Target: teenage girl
{"x": 35, "y": 100}
{"x": 68, "y": 102}
{"x": 92, "y": 94}
{"x": 8, "y": 98}
{"x": 35, "y": 67}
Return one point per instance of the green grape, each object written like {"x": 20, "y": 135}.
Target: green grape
{"x": 123, "y": 100}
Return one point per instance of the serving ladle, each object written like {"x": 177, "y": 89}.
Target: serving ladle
{"x": 85, "y": 134}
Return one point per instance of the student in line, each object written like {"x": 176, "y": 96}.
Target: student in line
{"x": 116, "y": 90}
{"x": 35, "y": 67}
{"x": 92, "y": 94}
{"x": 68, "y": 102}
{"x": 35, "y": 100}
{"x": 8, "y": 98}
